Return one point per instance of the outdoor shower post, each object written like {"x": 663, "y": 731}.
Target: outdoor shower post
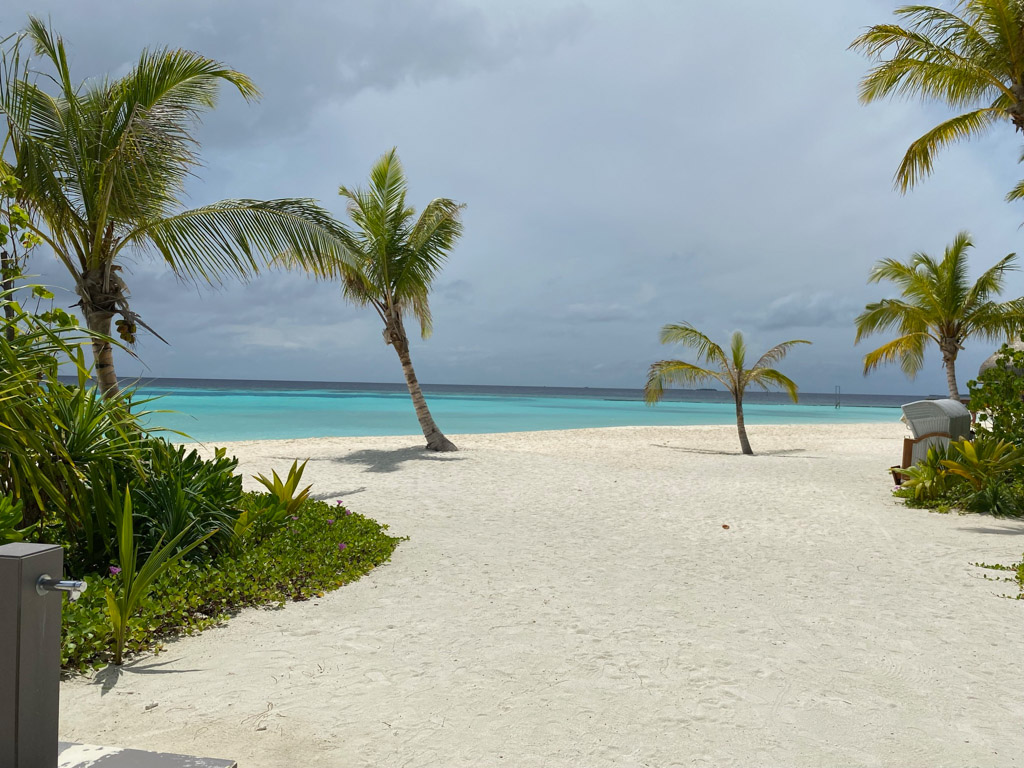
{"x": 29, "y": 655}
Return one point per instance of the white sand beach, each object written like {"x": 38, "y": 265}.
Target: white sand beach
{"x": 608, "y": 597}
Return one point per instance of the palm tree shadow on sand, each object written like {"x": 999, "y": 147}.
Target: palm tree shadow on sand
{"x": 785, "y": 453}
{"x": 109, "y": 676}
{"x": 391, "y": 461}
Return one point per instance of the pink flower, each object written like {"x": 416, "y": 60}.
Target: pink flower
{"x": 114, "y": 570}
{"x": 330, "y": 522}
{"x": 338, "y": 502}
{"x": 341, "y": 546}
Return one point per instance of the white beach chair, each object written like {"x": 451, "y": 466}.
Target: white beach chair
{"x": 932, "y": 423}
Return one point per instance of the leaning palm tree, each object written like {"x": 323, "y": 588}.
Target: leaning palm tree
{"x": 102, "y": 167}
{"x": 971, "y": 57}
{"x": 729, "y": 369}
{"x": 396, "y": 257}
{"x": 938, "y": 305}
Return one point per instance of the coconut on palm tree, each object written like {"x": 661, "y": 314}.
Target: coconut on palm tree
{"x": 938, "y": 305}
{"x": 970, "y": 58}
{"x": 102, "y": 167}
{"x": 729, "y": 369}
{"x": 395, "y": 258}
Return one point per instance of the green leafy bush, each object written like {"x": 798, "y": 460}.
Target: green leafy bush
{"x": 181, "y": 491}
{"x": 272, "y": 510}
{"x": 10, "y": 520}
{"x": 323, "y": 549}
{"x": 997, "y": 397}
{"x": 929, "y": 479}
{"x": 983, "y": 461}
{"x": 999, "y": 498}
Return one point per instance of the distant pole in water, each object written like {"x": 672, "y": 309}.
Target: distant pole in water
{"x": 837, "y": 397}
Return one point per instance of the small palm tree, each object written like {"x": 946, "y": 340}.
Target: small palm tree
{"x": 102, "y": 166}
{"x": 938, "y": 305}
{"x": 971, "y": 57}
{"x": 729, "y": 369}
{"x": 395, "y": 258}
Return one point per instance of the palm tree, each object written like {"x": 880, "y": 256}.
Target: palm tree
{"x": 971, "y": 58}
{"x": 396, "y": 258}
{"x": 938, "y": 305}
{"x": 729, "y": 369}
{"x": 102, "y": 167}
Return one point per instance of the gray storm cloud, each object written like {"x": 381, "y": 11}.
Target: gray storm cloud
{"x": 623, "y": 166}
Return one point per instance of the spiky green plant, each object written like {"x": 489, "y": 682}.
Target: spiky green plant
{"x": 102, "y": 167}
{"x": 135, "y": 581}
{"x": 970, "y": 58}
{"x": 728, "y": 369}
{"x": 938, "y": 305}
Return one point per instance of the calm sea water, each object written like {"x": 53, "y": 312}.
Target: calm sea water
{"x": 221, "y": 410}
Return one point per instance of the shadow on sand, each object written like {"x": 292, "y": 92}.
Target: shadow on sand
{"x": 392, "y": 461}
{"x": 336, "y": 494}
{"x": 1005, "y": 530}
{"x": 786, "y": 453}
{"x": 110, "y": 675}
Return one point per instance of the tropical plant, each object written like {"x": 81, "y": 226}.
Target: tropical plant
{"x": 35, "y": 457}
{"x": 971, "y": 57}
{"x": 269, "y": 511}
{"x": 102, "y": 166}
{"x": 135, "y": 581}
{"x": 181, "y": 491}
{"x": 728, "y": 369}
{"x": 997, "y": 397}
{"x": 998, "y": 498}
{"x": 938, "y": 305}
{"x": 11, "y": 528}
{"x": 929, "y": 479}
{"x": 983, "y": 461}
{"x": 395, "y": 259}
{"x": 16, "y": 242}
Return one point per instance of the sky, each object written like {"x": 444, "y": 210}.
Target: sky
{"x": 624, "y": 165}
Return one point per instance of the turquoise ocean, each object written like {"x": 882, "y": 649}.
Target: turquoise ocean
{"x": 224, "y": 410}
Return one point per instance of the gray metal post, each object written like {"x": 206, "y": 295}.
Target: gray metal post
{"x": 29, "y": 655}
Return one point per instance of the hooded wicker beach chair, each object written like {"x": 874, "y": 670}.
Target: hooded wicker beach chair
{"x": 931, "y": 423}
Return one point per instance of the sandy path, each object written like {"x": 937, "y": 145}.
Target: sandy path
{"x": 572, "y": 599}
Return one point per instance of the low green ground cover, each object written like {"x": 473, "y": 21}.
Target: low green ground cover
{"x": 323, "y": 548}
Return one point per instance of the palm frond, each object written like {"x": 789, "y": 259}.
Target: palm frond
{"x": 668, "y": 372}
{"x": 687, "y": 335}
{"x": 919, "y": 159}
{"x": 908, "y": 350}
{"x": 765, "y": 378}
{"x": 428, "y": 244}
{"x": 889, "y": 314}
{"x": 776, "y": 354}
{"x": 239, "y": 237}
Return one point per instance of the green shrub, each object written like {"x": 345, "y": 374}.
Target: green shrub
{"x": 996, "y": 398}
{"x": 323, "y": 549}
{"x": 180, "y": 491}
{"x": 929, "y": 479}
{"x": 273, "y": 509}
{"x": 999, "y": 498}
{"x": 10, "y": 520}
{"x": 984, "y": 460}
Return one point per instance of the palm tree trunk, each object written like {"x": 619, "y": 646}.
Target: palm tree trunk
{"x": 742, "y": 429}
{"x": 436, "y": 441}
{"x": 949, "y": 360}
{"x": 102, "y": 352}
